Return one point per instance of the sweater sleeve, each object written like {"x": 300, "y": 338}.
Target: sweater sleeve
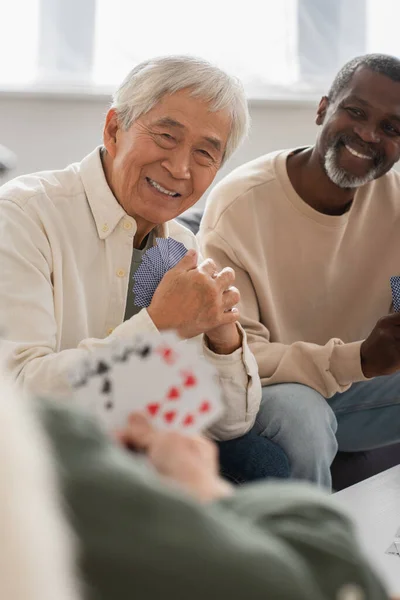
{"x": 240, "y": 387}
{"x": 328, "y": 368}
{"x": 27, "y": 309}
{"x": 138, "y": 533}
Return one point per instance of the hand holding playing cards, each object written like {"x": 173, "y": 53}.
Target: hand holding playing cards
{"x": 190, "y": 461}
{"x": 380, "y": 352}
{"x": 195, "y": 299}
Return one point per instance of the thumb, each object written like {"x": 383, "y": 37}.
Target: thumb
{"x": 187, "y": 263}
{"x": 139, "y": 431}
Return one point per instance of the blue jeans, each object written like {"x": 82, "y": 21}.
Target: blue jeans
{"x": 252, "y": 457}
{"x": 311, "y": 428}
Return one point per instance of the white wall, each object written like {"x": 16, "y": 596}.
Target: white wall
{"x": 51, "y": 132}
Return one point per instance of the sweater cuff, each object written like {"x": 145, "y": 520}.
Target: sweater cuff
{"x": 345, "y": 363}
{"x": 139, "y": 323}
{"x": 227, "y": 364}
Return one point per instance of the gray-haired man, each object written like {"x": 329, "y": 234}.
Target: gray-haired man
{"x": 71, "y": 240}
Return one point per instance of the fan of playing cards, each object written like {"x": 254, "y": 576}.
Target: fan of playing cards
{"x": 155, "y": 263}
{"x": 157, "y": 374}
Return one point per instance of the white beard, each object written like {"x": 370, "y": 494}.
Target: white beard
{"x": 342, "y": 178}
{"x": 36, "y": 548}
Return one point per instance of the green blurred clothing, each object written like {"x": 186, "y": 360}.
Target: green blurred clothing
{"x": 141, "y": 538}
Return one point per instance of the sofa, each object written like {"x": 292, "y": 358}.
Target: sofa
{"x": 348, "y": 468}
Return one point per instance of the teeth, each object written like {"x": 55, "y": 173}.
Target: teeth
{"x": 354, "y": 153}
{"x": 160, "y": 188}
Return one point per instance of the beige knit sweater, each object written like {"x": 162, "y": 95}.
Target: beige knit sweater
{"x": 312, "y": 285}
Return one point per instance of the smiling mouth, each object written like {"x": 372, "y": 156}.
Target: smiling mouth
{"x": 162, "y": 189}
{"x": 357, "y": 154}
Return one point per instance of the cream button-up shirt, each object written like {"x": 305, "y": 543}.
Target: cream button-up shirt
{"x": 65, "y": 256}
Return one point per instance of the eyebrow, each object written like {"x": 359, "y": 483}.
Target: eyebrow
{"x": 353, "y": 98}
{"x": 169, "y": 122}
{"x": 368, "y": 105}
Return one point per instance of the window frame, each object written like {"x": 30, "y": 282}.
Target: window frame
{"x": 66, "y": 50}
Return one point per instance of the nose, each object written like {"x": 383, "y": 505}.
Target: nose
{"x": 367, "y": 133}
{"x": 177, "y": 163}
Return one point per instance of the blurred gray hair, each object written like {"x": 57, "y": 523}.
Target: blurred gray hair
{"x": 149, "y": 81}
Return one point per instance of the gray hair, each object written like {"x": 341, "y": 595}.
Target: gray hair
{"x": 149, "y": 81}
{"x": 379, "y": 63}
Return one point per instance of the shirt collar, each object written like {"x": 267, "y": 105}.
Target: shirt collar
{"x": 106, "y": 210}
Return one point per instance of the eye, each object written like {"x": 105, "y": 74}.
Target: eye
{"x": 205, "y": 154}
{"x": 355, "y": 112}
{"x": 390, "y": 129}
{"x": 167, "y": 136}
{"x": 164, "y": 140}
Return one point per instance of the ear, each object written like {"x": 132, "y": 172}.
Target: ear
{"x": 322, "y": 108}
{"x": 111, "y": 127}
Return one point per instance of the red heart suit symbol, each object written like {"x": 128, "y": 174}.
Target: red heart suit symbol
{"x": 205, "y": 406}
{"x": 173, "y": 393}
{"x": 153, "y": 408}
{"x": 167, "y": 354}
{"x": 188, "y": 420}
{"x": 189, "y": 380}
{"x": 170, "y": 416}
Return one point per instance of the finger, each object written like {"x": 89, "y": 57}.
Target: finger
{"x": 187, "y": 263}
{"x": 225, "y": 278}
{"x": 230, "y": 298}
{"x": 395, "y": 333}
{"x": 120, "y": 436}
{"x": 139, "y": 431}
{"x": 230, "y": 316}
{"x": 390, "y": 320}
{"x": 124, "y": 438}
{"x": 208, "y": 266}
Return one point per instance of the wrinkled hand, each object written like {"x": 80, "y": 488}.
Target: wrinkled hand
{"x": 380, "y": 352}
{"x": 224, "y": 339}
{"x": 195, "y": 299}
{"x": 190, "y": 461}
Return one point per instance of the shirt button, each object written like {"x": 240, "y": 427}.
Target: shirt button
{"x": 127, "y": 225}
{"x": 109, "y": 331}
{"x": 121, "y": 273}
{"x": 105, "y": 227}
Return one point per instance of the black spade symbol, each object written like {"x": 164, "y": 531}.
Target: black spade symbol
{"x": 102, "y": 368}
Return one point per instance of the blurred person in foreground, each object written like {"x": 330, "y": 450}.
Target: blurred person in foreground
{"x": 157, "y": 522}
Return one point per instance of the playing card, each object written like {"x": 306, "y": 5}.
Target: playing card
{"x": 156, "y": 261}
{"x": 180, "y": 390}
{"x": 160, "y": 375}
{"x": 395, "y": 285}
{"x": 153, "y": 260}
{"x": 163, "y": 247}
{"x": 146, "y": 283}
{"x": 141, "y": 382}
{"x": 171, "y": 251}
{"x": 90, "y": 379}
{"x": 190, "y": 403}
{"x": 105, "y": 382}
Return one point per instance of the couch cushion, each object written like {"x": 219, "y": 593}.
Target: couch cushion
{"x": 191, "y": 219}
